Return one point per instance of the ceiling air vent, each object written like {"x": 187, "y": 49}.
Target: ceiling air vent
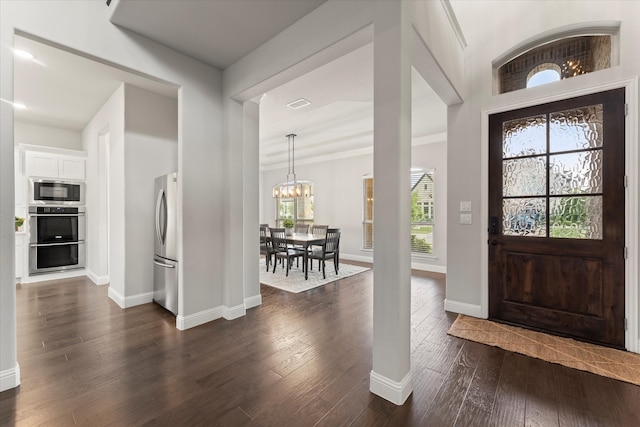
{"x": 294, "y": 105}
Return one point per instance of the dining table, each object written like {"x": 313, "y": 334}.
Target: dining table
{"x": 305, "y": 240}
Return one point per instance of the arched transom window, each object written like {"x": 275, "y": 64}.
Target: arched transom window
{"x": 552, "y": 61}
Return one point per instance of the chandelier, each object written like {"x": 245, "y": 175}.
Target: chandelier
{"x": 572, "y": 69}
{"x": 292, "y": 187}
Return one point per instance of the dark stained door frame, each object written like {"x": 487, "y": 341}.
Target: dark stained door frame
{"x": 569, "y": 287}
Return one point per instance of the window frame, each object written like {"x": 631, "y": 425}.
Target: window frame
{"x": 367, "y": 206}
{"x": 368, "y": 220}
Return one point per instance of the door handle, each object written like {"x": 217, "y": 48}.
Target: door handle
{"x": 162, "y": 264}
{"x": 161, "y": 216}
{"x": 494, "y": 225}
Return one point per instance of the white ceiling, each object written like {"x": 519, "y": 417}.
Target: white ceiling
{"x": 340, "y": 117}
{"x": 217, "y": 32}
{"x": 65, "y": 90}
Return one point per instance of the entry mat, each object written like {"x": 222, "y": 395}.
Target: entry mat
{"x": 608, "y": 362}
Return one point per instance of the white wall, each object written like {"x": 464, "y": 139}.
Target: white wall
{"x": 511, "y": 23}
{"x": 143, "y": 142}
{"x": 338, "y": 199}
{"x": 84, "y": 27}
{"x": 109, "y": 119}
{"x": 48, "y": 136}
{"x": 150, "y": 150}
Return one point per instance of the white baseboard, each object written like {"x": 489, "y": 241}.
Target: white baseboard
{"x": 197, "y": 319}
{"x": 429, "y": 267}
{"x": 414, "y": 264}
{"x": 131, "y": 301}
{"x": 231, "y": 313}
{"x": 394, "y": 392}
{"x": 359, "y": 258}
{"x": 98, "y": 280}
{"x": 10, "y": 378}
{"x": 253, "y": 301}
{"x": 472, "y": 310}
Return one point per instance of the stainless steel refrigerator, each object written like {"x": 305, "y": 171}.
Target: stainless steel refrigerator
{"x": 165, "y": 259}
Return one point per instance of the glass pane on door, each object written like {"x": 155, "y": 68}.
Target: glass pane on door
{"x": 523, "y": 137}
{"x": 524, "y": 217}
{"x": 543, "y": 156}
{"x": 576, "y": 217}
{"x": 576, "y": 129}
{"x": 576, "y": 173}
{"x": 524, "y": 177}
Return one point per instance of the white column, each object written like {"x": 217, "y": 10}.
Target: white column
{"x": 251, "y": 211}
{"x": 9, "y": 369}
{"x": 234, "y": 225}
{"x": 391, "y": 375}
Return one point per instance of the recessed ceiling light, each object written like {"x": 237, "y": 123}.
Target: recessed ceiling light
{"x": 294, "y": 105}
{"x": 23, "y": 54}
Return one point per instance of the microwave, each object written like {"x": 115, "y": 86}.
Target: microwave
{"x": 50, "y": 192}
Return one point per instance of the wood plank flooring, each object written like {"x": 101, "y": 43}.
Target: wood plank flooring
{"x": 297, "y": 360}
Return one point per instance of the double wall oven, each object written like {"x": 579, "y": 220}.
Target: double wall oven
{"x": 56, "y": 226}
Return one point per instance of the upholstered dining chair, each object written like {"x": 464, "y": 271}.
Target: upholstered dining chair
{"x": 282, "y": 250}
{"x": 266, "y": 248}
{"x": 330, "y": 250}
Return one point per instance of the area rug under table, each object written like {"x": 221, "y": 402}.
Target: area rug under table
{"x": 608, "y": 362}
{"x": 296, "y": 283}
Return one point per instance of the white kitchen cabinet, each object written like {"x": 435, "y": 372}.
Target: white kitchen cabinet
{"x": 71, "y": 168}
{"x": 50, "y": 165}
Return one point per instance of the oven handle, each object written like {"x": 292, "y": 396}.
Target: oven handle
{"x": 55, "y": 215}
{"x": 42, "y": 245}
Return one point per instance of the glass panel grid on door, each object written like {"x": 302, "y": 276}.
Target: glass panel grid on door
{"x": 552, "y": 174}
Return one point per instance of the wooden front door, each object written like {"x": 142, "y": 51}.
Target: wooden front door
{"x": 556, "y": 217}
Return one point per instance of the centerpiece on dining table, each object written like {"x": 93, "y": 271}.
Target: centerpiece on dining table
{"x": 288, "y": 225}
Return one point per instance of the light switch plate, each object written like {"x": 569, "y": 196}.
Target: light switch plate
{"x": 465, "y": 206}
{"x": 465, "y": 218}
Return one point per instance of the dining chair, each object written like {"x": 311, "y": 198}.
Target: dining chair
{"x": 282, "y": 250}
{"x": 321, "y": 231}
{"x": 301, "y": 228}
{"x": 266, "y": 247}
{"x": 330, "y": 250}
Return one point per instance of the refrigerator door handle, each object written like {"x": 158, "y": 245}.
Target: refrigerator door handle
{"x": 162, "y": 264}
{"x": 161, "y": 216}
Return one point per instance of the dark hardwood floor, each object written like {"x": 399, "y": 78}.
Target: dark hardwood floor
{"x": 297, "y": 360}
